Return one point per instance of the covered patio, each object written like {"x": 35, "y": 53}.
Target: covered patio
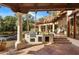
{"x": 23, "y": 8}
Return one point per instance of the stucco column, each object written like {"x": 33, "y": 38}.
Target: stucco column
{"x": 19, "y": 27}
{"x": 18, "y": 44}
{"x": 46, "y": 30}
{"x": 53, "y": 27}
{"x": 39, "y": 28}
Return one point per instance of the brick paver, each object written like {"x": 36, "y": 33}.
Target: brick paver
{"x": 47, "y": 49}
{"x": 57, "y": 49}
{"x": 53, "y": 49}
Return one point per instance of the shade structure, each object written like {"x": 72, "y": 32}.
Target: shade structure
{"x": 25, "y": 7}
{"x": 20, "y": 8}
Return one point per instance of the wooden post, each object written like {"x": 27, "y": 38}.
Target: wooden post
{"x": 75, "y": 25}
{"x": 68, "y": 32}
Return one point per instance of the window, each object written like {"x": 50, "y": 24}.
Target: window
{"x": 49, "y": 27}
{"x": 40, "y": 39}
{"x": 32, "y": 40}
{"x": 42, "y": 28}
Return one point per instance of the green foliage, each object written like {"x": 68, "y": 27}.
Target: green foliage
{"x": 28, "y": 18}
{"x": 8, "y": 23}
{"x": 1, "y": 23}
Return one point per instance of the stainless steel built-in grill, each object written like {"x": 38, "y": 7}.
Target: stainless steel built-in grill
{"x": 32, "y": 34}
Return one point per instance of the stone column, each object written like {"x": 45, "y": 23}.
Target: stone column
{"x": 19, "y": 43}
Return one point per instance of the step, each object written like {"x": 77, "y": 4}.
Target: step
{"x": 59, "y": 38}
{"x": 62, "y": 42}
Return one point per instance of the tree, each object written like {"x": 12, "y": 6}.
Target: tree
{"x": 1, "y": 23}
{"x": 10, "y": 23}
{"x": 41, "y": 19}
{"x": 28, "y": 22}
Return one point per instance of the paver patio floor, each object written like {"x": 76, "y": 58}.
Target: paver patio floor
{"x": 54, "y": 49}
{"x": 46, "y": 49}
{"x": 57, "y": 49}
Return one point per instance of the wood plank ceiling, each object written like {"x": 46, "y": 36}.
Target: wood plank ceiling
{"x": 25, "y": 7}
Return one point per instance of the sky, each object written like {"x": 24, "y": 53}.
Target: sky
{"x": 5, "y": 11}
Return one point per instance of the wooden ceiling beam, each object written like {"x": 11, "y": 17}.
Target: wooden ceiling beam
{"x": 25, "y": 7}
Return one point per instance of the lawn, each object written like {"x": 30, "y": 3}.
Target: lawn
{"x": 8, "y": 33}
